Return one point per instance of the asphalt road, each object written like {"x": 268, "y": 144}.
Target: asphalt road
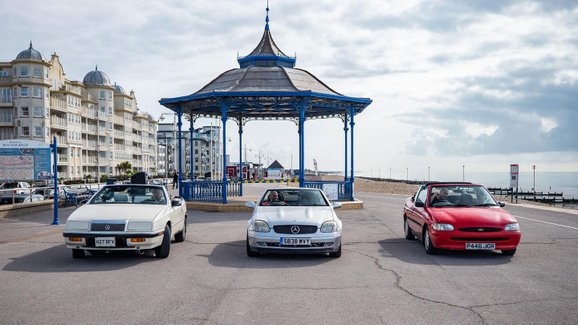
{"x": 381, "y": 278}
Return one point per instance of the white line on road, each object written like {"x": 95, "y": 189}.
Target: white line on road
{"x": 550, "y": 223}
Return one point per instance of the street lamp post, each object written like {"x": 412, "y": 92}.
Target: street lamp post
{"x": 463, "y": 173}
{"x": 534, "y": 170}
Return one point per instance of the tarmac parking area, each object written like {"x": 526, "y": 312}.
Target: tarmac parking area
{"x": 381, "y": 278}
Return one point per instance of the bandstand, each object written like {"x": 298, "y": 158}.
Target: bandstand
{"x": 266, "y": 86}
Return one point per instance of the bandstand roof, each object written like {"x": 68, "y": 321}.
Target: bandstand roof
{"x": 266, "y": 86}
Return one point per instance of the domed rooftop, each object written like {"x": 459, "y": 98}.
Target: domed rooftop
{"x": 30, "y": 54}
{"x": 118, "y": 89}
{"x": 96, "y": 78}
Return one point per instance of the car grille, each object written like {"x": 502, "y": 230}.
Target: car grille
{"x": 480, "y": 229}
{"x": 313, "y": 245}
{"x": 303, "y": 229}
{"x": 480, "y": 239}
{"x": 119, "y": 242}
{"x": 103, "y": 226}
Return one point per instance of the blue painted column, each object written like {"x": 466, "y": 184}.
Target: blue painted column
{"x": 192, "y": 155}
{"x": 55, "y": 156}
{"x": 179, "y": 145}
{"x": 302, "y": 145}
{"x": 345, "y": 129}
{"x": 352, "y": 124}
{"x": 224, "y": 110}
{"x": 241, "y": 156}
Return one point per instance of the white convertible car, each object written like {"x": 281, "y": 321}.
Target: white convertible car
{"x": 127, "y": 217}
{"x": 294, "y": 220}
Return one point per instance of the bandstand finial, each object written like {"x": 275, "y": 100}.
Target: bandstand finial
{"x": 267, "y": 17}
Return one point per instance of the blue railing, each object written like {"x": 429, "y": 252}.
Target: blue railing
{"x": 209, "y": 191}
{"x": 344, "y": 188}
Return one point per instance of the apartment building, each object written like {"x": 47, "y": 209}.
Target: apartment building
{"x": 207, "y": 151}
{"x": 97, "y": 124}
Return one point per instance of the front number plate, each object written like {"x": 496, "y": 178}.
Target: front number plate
{"x": 104, "y": 242}
{"x": 295, "y": 241}
{"x": 481, "y": 246}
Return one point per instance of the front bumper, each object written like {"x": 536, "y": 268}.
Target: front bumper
{"x": 456, "y": 240}
{"x": 271, "y": 243}
{"x": 123, "y": 240}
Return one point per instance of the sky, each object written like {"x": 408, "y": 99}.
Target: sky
{"x": 456, "y": 85}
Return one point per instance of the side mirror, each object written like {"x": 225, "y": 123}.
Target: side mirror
{"x": 502, "y": 204}
{"x": 336, "y": 205}
{"x": 419, "y": 204}
{"x": 176, "y": 202}
{"x": 250, "y": 204}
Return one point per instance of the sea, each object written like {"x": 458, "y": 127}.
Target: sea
{"x": 559, "y": 182}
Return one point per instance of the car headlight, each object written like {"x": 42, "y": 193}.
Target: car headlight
{"x": 139, "y": 226}
{"x": 77, "y": 225}
{"x": 442, "y": 226}
{"x": 512, "y": 227}
{"x": 261, "y": 226}
{"x": 329, "y": 226}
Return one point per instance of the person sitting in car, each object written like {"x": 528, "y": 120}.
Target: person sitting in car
{"x": 440, "y": 196}
{"x": 273, "y": 199}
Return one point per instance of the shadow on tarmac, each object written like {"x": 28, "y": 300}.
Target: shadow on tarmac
{"x": 234, "y": 255}
{"x": 413, "y": 252}
{"x": 59, "y": 259}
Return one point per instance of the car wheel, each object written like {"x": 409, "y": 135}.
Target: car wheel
{"x": 165, "y": 248}
{"x": 182, "y": 235}
{"x": 336, "y": 254}
{"x": 250, "y": 253}
{"x": 78, "y": 253}
{"x": 427, "y": 244}
{"x": 408, "y": 234}
{"x": 509, "y": 252}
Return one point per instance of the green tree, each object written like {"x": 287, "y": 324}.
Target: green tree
{"x": 124, "y": 166}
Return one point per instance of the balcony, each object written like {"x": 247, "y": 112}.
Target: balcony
{"x": 90, "y": 144}
{"x": 89, "y": 128}
{"x": 57, "y": 122}
{"x": 58, "y": 104}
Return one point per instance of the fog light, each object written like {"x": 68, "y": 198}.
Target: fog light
{"x": 75, "y": 239}
{"x": 137, "y": 240}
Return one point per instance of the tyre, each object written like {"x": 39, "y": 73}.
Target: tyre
{"x": 509, "y": 252}
{"x": 427, "y": 244}
{"x": 250, "y": 253}
{"x": 78, "y": 253}
{"x": 336, "y": 254}
{"x": 182, "y": 235}
{"x": 407, "y": 231}
{"x": 165, "y": 248}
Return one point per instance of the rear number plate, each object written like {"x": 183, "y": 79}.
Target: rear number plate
{"x": 481, "y": 246}
{"x": 104, "y": 242}
{"x": 295, "y": 241}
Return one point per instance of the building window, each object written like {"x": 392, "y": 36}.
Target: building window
{"x": 102, "y": 95}
{"x": 6, "y": 115}
{"x": 25, "y": 111}
{"x": 37, "y": 92}
{"x": 23, "y": 71}
{"x": 38, "y": 111}
{"x": 4, "y": 73}
{"x": 5, "y": 95}
{"x": 46, "y": 73}
{"x": 25, "y": 131}
{"x": 37, "y": 72}
{"x": 110, "y": 95}
{"x": 38, "y": 131}
{"x": 24, "y": 92}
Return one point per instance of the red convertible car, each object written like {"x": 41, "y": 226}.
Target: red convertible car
{"x": 459, "y": 216}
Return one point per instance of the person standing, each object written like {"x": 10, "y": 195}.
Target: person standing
{"x": 175, "y": 180}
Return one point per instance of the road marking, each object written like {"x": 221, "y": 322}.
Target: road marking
{"x": 550, "y": 223}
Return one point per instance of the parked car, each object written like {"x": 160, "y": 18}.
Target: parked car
{"x": 18, "y": 187}
{"x": 20, "y": 198}
{"x": 459, "y": 216}
{"x": 131, "y": 217}
{"x": 294, "y": 220}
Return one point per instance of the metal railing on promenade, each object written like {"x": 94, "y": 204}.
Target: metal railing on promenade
{"x": 344, "y": 188}
{"x": 209, "y": 190}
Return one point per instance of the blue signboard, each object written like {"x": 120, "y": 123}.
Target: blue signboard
{"x": 25, "y": 160}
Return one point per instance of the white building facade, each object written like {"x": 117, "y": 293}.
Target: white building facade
{"x": 97, "y": 124}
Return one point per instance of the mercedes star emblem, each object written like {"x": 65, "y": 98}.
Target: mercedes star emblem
{"x": 107, "y": 227}
{"x": 295, "y": 229}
